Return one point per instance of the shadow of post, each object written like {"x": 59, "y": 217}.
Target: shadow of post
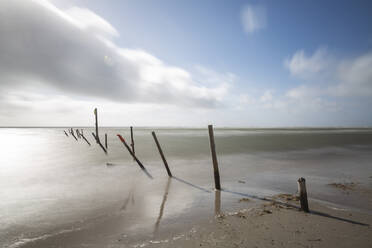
{"x": 190, "y": 184}
{"x": 296, "y": 207}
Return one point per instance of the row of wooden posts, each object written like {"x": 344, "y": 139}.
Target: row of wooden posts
{"x": 80, "y": 134}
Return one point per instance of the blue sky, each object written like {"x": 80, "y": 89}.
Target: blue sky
{"x": 232, "y": 63}
{"x": 211, "y": 33}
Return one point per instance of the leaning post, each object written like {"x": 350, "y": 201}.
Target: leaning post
{"x": 214, "y": 158}
{"x": 161, "y": 154}
{"x": 130, "y": 152}
{"x": 99, "y": 143}
{"x": 132, "y": 140}
{"x": 73, "y": 135}
{"x": 82, "y": 135}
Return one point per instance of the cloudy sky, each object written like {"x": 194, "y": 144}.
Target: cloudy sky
{"x": 186, "y": 63}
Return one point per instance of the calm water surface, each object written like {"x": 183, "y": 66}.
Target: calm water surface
{"x": 58, "y": 191}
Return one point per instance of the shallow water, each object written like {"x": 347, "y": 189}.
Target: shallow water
{"x": 55, "y": 190}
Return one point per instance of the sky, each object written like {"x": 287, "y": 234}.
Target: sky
{"x": 186, "y": 63}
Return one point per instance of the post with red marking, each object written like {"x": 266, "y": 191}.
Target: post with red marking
{"x": 130, "y": 151}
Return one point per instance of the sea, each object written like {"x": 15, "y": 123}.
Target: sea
{"x": 58, "y": 191}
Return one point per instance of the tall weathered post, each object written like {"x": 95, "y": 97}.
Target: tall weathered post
{"x": 161, "y": 154}
{"x": 96, "y": 116}
{"x": 214, "y": 158}
{"x": 106, "y": 140}
{"x": 303, "y": 194}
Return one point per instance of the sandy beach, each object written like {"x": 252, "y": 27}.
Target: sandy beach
{"x": 275, "y": 224}
{"x": 275, "y": 221}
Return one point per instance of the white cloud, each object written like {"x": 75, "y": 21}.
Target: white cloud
{"x": 340, "y": 77}
{"x": 266, "y": 97}
{"x": 253, "y": 18}
{"x": 88, "y": 20}
{"x": 306, "y": 67}
{"x": 72, "y": 53}
{"x": 355, "y": 76}
{"x": 303, "y": 92}
{"x": 245, "y": 99}
{"x": 293, "y": 108}
{"x": 211, "y": 77}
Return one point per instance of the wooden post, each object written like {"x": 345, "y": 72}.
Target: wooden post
{"x": 82, "y": 135}
{"x": 78, "y": 133}
{"x": 65, "y": 133}
{"x": 214, "y": 158}
{"x": 132, "y": 140}
{"x": 130, "y": 151}
{"x": 73, "y": 135}
{"x": 99, "y": 143}
{"x": 106, "y": 140}
{"x": 161, "y": 154}
{"x": 96, "y": 116}
{"x": 303, "y": 194}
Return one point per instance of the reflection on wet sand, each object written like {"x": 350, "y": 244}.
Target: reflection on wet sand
{"x": 217, "y": 202}
{"x": 130, "y": 197}
{"x": 165, "y": 196}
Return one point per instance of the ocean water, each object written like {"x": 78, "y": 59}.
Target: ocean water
{"x": 59, "y": 192}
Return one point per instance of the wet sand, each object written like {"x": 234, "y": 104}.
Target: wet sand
{"x": 63, "y": 193}
{"x": 258, "y": 222}
{"x": 275, "y": 225}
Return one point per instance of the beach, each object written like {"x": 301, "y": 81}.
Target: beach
{"x": 65, "y": 193}
{"x": 276, "y": 226}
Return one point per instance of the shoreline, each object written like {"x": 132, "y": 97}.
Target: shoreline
{"x": 274, "y": 224}
{"x": 274, "y": 221}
